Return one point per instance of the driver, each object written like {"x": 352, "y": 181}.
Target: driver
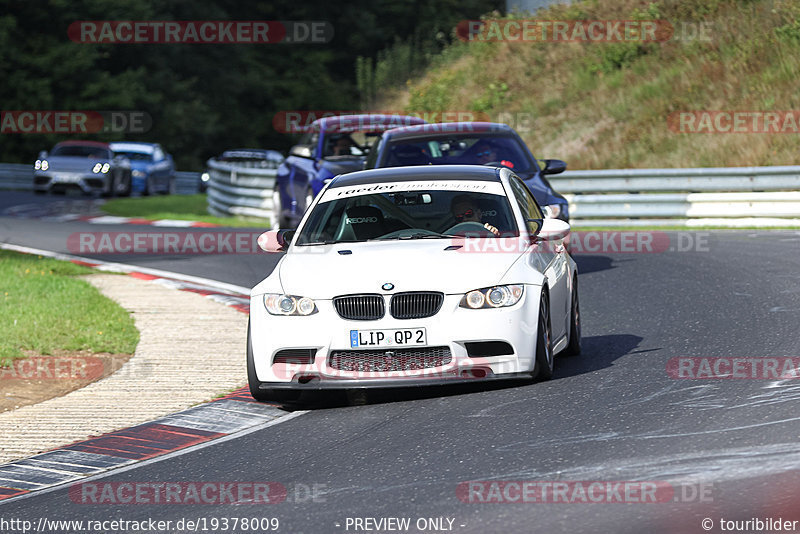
{"x": 464, "y": 209}
{"x": 485, "y": 153}
{"x": 342, "y": 146}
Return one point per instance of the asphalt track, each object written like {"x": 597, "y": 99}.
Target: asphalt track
{"x": 611, "y": 414}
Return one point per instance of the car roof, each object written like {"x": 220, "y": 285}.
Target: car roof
{"x": 133, "y": 146}
{"x": 83, "y": 143}
{"x": 375, "y": 122}
{"x": 448, "y": 129}
{"x": 418, "y": 172}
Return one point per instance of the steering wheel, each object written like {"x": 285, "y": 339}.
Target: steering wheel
{"x": 469, "y": 227}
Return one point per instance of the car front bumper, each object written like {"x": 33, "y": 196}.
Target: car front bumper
{"x": 464, "y": 332}
{"x": 86, "y": 182}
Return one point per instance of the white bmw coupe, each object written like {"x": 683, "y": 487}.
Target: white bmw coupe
{"x": 413, "y": 276}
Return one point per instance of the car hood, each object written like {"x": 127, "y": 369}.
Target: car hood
{"x": 72, "y": 164}
{"x": 322, "y": 272}
{"x": 139, "y": 165}
{"x": 343, "y": 165}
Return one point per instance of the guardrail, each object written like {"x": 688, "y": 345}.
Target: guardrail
{"x": 238, "y": 190}
{"x": 719, "y": 196}
{"x": 19, "y": 176}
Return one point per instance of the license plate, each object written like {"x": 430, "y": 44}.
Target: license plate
{"x": 388, "y": 338}
{"x": 65, "y": 178}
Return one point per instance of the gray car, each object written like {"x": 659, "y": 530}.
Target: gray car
{"x": 87, "y": 166}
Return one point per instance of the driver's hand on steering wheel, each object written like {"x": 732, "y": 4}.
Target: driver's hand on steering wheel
{"x": 492, "y": 229}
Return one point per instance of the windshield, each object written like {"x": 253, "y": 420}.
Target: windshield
{"x": 410, "y": 210}
{"x": 135, "y": 156}
{"x": 80, "y": 151}
{"x": 349, "y": 144}
{"x": 455, "y": 149}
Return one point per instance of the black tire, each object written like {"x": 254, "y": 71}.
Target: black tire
{"x": 146, "y": 190}
{"x": 544, "y": 341}
{"x": 574, "y": 346}
{"x": 39, "y": 192}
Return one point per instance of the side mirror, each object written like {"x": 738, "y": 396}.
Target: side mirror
{"x": 43, "y": 154}
{"x": 554, "y": 166}
{"x": 275, "y": 240}
{"x": 301, "y": 151}
{"x": 552, "y": 229}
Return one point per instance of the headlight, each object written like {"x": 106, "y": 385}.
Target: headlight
{"x": 37, "y": 165}
{"x": 137, "y": 174}
{"x": 104, "y": 169}
{"x": 204, "y": 177}
{"x": 96, "y": 168}
{"x": 43, "y": 164}
{"x": 492, "y": 297}
{"x": 288, "y": 305}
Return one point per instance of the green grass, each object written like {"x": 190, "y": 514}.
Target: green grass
{"x": 43, "y": 307}
{"x": 180, "y": 207}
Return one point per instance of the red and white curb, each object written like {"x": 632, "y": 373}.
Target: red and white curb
{"x": 218, "y": 420}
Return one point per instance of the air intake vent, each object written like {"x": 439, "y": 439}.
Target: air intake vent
{"x": 360, "y": 307}
{"x": 295, "y": 356}
{"x": 371, "y": 361}
{"x": 416, "y": 305}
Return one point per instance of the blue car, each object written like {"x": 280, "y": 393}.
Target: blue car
{"x": 471, "y": 143}
{"x": 330, "y": 146}
{"x": 152, "y": 169}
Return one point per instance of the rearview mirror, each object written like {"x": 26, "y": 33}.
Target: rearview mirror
{"x": 554, "y": 166}
{"x": 275, "y": 240}
{"x": 301, "y": 151}
{"x": 553, "y": 229}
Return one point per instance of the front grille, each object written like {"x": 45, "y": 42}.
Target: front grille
{"x": 370, "y": 361}
{"x": 416, "y": 305}
{"x": 360, "y": 307}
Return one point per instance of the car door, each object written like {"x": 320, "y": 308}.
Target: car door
{"x": 549, "y": 257}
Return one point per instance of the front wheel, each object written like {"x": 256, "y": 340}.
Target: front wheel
{"x": 122, "y": 184}
{"x": 544, "y": 341}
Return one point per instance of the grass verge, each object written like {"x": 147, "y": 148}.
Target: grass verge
{"x": 46, "y": 308}
{"x": 179, "y": 207}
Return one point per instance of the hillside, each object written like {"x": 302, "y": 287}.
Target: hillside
{"x": 611, "y": 104}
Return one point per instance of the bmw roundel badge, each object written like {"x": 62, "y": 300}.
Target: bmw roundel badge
{"x": 388, "y": 286}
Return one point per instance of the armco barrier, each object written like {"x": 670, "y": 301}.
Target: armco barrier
{"x": 239, "y": 190}
{"x": 18, "y": 176}
{"x": 719, "y": 196}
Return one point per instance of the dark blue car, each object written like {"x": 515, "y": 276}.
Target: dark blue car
{"x": 471, "y": 143}
{"x": 152, "y": 169}
{"x": 330, "y": 146}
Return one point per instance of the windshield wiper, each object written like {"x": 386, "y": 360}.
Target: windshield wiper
{"x": 420, "y": 235}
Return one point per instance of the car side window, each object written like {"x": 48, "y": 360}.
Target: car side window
{"x": 527, "y": 204}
